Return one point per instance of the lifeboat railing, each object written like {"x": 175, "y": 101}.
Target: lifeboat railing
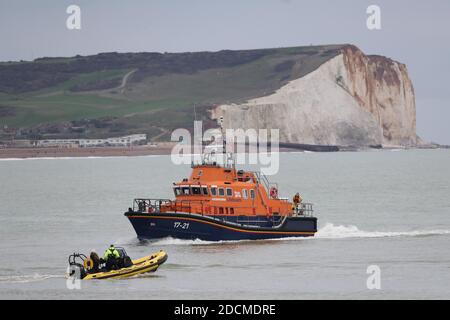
{"x": 187, "y": 206}
{"x": 262, "y": 179}
{"x": 149, "y": 205}
{"x": 303, "y": 209}
{"x": 277, "y": 220}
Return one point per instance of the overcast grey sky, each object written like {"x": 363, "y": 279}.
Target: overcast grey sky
{"x": 417, "y": 34}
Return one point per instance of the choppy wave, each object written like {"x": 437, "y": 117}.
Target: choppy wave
{"x": 28, "y": 278}
{"x": 331, "y": 231}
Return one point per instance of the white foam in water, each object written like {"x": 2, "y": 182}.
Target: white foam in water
{"x": 28, "y": 278}
{"x": 396, "y": 150}
{"x": 173, "y": 241}
{"x": 127, "y": 241}
{"x": 330, "y": 231}
{"x": 165, "y": 241}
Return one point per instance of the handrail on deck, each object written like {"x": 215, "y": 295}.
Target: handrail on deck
{"x": 155, "y": 205}
{"x": 303, "y": 209}
{"x": 149, "y": 205}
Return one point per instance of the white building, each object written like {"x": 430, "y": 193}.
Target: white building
{"x": 130, "y": 140}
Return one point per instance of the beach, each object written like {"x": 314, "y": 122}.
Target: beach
{"x": 61, "y": 152}
{"x": 163, "y": 148}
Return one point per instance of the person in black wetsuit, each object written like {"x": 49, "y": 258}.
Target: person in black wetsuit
{"x": 95, "y": 261}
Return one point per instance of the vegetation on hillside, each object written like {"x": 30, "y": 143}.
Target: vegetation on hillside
{"x": 123, "y": 93}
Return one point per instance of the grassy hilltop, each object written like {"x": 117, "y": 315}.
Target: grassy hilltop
{"x": 122, "y": 93}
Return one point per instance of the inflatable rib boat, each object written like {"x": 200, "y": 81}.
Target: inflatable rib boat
{"x": 81, "y": 267}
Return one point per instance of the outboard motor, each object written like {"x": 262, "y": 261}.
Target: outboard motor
{"x": 76, "y": 266}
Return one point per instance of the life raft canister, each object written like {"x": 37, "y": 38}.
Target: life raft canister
{"x": 274, "y": 192}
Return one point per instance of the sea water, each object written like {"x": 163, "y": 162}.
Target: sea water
{"x": 385, "y": 209}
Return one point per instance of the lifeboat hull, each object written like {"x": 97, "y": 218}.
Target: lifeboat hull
{"x": 196, "y": 226}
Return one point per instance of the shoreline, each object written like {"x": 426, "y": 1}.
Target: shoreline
{"x": 164, "y": 148}
{"x": 55, "y": 152}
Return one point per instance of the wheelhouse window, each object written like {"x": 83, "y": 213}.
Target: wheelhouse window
{"x": 177, "y": 191}
{"x": 205, "y": 190}
{"x": 185, "y": 191}
{"x": 244, "y": 193}
{"x": 213, "y": 191}
{"x": 229, "y": 192}
{"x": 252, "y": 193}
{"x": 221, "y": 192}
{"x": 196, "y": 190}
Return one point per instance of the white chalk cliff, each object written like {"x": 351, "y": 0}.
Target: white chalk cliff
{"x": 351, "y": 99}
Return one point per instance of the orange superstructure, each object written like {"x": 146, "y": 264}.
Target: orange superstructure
{"x": 216, "y": 190}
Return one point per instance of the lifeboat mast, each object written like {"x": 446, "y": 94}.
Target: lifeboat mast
{"x": 228, "y": 158}
{"x": 229, "y": 162}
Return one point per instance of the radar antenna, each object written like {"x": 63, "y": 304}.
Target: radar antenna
{"x": 228, "y": 157}
{"x": 224, "y": 142}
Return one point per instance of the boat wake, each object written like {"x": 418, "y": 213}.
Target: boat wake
{"x": 27, "y": 278}
{"x": 330, "y": 231}
{"x": 129, "y": 241}
{"x": 173, "y": 241}
{"x": 134, "y": 241}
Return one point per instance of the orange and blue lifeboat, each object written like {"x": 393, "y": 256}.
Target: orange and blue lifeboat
{"x": 221, "y": 203}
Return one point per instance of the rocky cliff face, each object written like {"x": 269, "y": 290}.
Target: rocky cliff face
{"x": 352, "y": 99}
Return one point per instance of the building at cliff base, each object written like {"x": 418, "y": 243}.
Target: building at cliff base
{"x": 125, "y": 141}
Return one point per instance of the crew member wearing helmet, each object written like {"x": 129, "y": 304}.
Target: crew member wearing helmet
{"x": 111, "y": 257}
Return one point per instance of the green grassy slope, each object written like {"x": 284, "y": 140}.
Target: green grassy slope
{"x": 84, "y": 96}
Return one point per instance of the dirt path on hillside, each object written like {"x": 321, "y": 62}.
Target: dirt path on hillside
{"x": 125, "y": 78}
